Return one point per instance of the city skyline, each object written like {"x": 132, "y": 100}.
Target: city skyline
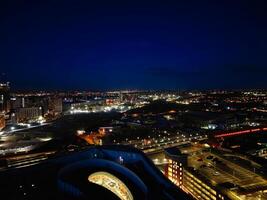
{"x": 133, "y": 100}
{"x": 133, "y": 45}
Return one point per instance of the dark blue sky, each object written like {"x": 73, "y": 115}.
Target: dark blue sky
{"x": 134, "y": 44}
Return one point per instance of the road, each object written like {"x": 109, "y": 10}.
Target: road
{"x": 157, "y": 144}
{"x": 22, "y": 129}
{"x": 21, "y": 161}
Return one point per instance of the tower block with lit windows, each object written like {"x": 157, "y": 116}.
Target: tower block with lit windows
{"x": 174, "y": 168}
{"x": 4, "y": 97}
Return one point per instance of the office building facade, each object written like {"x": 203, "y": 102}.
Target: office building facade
{"x": 4, "y": 97}
{"x": 187, "y": 179}
{"x": 27, "y": 114}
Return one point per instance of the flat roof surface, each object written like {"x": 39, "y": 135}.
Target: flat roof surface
{"x": 224, "y": 171}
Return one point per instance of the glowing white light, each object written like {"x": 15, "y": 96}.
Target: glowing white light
{"x": 111, "y": 183}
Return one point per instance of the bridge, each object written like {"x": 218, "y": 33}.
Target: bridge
{"x": 249, "y": 131}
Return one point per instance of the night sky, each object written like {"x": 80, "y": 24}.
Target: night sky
{"x": 131, "y": 44}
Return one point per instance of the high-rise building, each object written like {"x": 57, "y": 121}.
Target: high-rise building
{"x": 4, "y": 97}
{"x": 26, "y": 114}
{"x": 17, "y": 102}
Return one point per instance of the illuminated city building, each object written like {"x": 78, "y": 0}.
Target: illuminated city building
{"x": 213, "y": 174}
{"x": 27, "y": 114}
{"x": 174, "y": 168}
{"x": 198, "y": 188}
{"x": 4, "y": 97}
{"x": 105, "y": 130}
{"x": 113, "y": 101}
{"x": 96, "y": 137}
{"x": 178, "y": 171}
{"x": 17, "y": 102}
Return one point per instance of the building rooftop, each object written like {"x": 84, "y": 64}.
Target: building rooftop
{"x": 218, "y": 169}
{"x": 77, "y": 175}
